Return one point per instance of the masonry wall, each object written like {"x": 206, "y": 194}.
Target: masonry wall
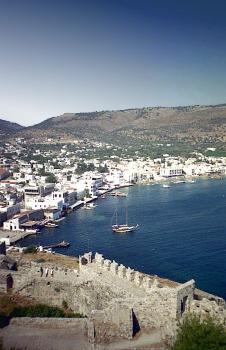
{"x": 116, "y": 299}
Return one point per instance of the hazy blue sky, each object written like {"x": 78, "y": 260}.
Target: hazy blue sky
{"x": 69, "y": 56}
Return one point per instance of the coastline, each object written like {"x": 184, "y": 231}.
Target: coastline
{"x": 17, "y": 236}
{"x": 173, "y": 239}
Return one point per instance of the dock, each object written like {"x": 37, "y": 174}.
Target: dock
{"x": 13, "y": 236}
{"x": 117, "y": 194}
{"x": 76, "y": 205}
{"x": 62, "y": 244}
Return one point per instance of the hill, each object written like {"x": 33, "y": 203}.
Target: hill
{"x": 7, "y": 127}
{"x": 188, "y": 124}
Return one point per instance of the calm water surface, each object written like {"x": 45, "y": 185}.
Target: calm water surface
{"x": 182, "y": 232}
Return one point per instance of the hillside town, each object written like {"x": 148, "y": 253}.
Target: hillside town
{"x": 40, "y": 185}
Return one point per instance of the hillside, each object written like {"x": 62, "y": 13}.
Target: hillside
{"x": 7, "y": 127}
{"x": 188, "y": 124}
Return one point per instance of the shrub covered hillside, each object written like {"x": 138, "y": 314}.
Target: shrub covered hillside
{"x": 197, "y": 335}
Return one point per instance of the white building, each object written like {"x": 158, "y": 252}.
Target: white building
{"x": 170, "y": 171}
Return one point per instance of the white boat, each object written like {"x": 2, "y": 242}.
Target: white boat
{"x": 51, "y": 225}
{"x": 166, "y": 185}
{"x": 191, "y": 181}
{"x": 89, "y": 206}
{"x": 122, "y": 228}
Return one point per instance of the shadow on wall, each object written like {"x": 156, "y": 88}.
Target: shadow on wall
{"x": 136, "y": 326}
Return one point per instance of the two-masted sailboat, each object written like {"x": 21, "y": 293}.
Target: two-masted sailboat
{"x": 122, "y": 228}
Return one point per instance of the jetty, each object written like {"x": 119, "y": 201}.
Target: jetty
{"x": 117, "y": 194}
{"x": 62, "y": 244}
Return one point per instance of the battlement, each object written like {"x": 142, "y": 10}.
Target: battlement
{"x": 182, "y": 294}
{"x": 100, "y": 288}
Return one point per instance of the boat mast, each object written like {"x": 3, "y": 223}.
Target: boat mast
{"x": 126, "y": 216}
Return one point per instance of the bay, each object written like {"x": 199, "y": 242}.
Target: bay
{"x": 182, "y": 233}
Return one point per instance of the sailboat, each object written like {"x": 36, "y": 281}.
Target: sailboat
{"x": 122, "y": 228}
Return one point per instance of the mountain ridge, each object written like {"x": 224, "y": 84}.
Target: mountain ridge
{"x": 148, "y": 123}
{"x": 8, "y": 127}
{"x": 193, "y": 124}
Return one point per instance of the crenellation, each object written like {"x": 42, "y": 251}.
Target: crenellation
{"x": 138, "y": 278}
{"x": 107, "y": 264}
{"x": 99, "y": 259}
{"x": 101, "y": 284}
{"x": 114, "y": 267}
{"x": 121, "y": 271}
{"x": 130, "y": 274}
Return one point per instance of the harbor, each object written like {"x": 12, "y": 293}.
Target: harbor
{"x": 177, "y": 236}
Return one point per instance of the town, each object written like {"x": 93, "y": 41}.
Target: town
{"x": 41, "y": 183}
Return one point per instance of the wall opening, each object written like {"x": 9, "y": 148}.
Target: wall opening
{"x": 9, "y": 282}
{"x": 183, "y": 305}
{"x": 136, "y": 326}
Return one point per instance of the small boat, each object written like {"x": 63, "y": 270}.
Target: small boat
{"x": 89, "y": 206}
{"x": 51, "y": 225}
{"x": 123, "y": 228}
{"x": 165, "y": 185}
{"x": 191, "y": 181}
{"x": 179, "y": 182}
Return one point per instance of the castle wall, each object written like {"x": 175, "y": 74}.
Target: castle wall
{"x": 114, "y": 297}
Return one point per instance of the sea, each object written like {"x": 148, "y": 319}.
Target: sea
{"x": 181, "y": 235}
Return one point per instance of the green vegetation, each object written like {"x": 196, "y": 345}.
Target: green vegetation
{"x": 197, "y": 335}
{"x": 103, "y": 169}
{"x": 31, "y": 249}
{"x": 10, "y": 308}
{"x": 83, "y": 167}
{"x": 64, "y": 305}
{"x": 51, "y": 178}
{"x": 38, "y": 310}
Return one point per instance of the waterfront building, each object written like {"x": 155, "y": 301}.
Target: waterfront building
{"x": 16, "y": 223}
{"x": 170, "y": 171}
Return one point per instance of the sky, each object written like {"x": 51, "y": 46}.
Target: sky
{"x": 60, "y": 56}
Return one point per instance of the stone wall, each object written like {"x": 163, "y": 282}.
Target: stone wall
{"x": 117, "y": 300}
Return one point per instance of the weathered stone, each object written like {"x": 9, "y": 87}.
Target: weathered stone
{"x": 114, "y": 268}
{"x": 154, "y": 303}
{"x": 121, "y": 271}
{"x": 129, "y": 274}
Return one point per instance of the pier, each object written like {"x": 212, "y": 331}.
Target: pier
{"x": 62, "y": 244}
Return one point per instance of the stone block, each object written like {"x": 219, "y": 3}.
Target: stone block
{"x": 121, "y": 271}
{"x": 114, "y": 268}
{"x": 98, "y": 258}
{"x": 107, "y": 264}
{"x": 138, "y": 278}
{"x": 129, "y": 274}
{"x": 147, "y": 283}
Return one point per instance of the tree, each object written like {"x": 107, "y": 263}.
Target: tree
{"x": 196, "y": 335}
{"x": 87, "y": 193}
{"x": 51, "y": 178}
{"x": 103, "y": 169}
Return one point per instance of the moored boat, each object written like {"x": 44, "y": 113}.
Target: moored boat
{"x": 165, "y": 185}
{"x": 51, "y": 225}
{"x": 89, "y": 206}
{"x": 123, "y": 228}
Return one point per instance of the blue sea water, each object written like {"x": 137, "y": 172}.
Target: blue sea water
{"x": 182, "y": 233}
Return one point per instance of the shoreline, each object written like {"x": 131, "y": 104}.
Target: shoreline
{"x": 17, "y": 236}
{"x": 91, "y": 230}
